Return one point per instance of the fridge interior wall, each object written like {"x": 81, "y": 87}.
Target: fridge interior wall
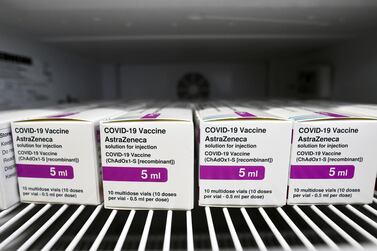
{"x": 274, "y": 49}
{"x": 52, "y": 76}
{"x": 58, "y": 75}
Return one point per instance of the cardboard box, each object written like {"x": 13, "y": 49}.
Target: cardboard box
{"x": 8, "y": 177}
{"x": 243, "y": 157}
{"x": 333, "y": 159}
{"x": 57, "y": 157}
{"x": 148, "y": 159}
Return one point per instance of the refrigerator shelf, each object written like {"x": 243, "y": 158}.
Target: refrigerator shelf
{"x": 63, "y": 227}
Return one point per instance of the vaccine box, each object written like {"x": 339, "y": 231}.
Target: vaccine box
{"x": 333, "y": 158}
{"x": 57, "y": 157}
{"x": 148, "y": 159}
{"x": 8, "y": 176}
{"x": 243, "y": 157}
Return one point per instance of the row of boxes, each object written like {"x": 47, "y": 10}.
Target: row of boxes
{"x": 141, "y": 155}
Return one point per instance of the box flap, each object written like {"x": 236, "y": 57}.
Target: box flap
{"x": 299, "y": 114}
{"x": 86, "y": 115}
{"x": 234, "y": 113}
{"x": 151, "y": 114}
{"x": 14, "y": 115}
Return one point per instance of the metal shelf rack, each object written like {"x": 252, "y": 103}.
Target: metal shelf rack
{"x": 63, "y": 227}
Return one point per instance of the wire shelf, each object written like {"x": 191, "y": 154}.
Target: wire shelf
{"x": 63, "y": 227}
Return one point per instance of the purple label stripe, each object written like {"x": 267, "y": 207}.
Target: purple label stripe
{"x": 245, "y": 114}
{"x": 151, "y": 116}
{"x": 232, "y": 172}
{"x": 135, "y": 174}
{"x": 45, "y": 171}
{"x": 322, "y": 171}
{"x": 333, "y": 115}
{"x": 63, "y": 115}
